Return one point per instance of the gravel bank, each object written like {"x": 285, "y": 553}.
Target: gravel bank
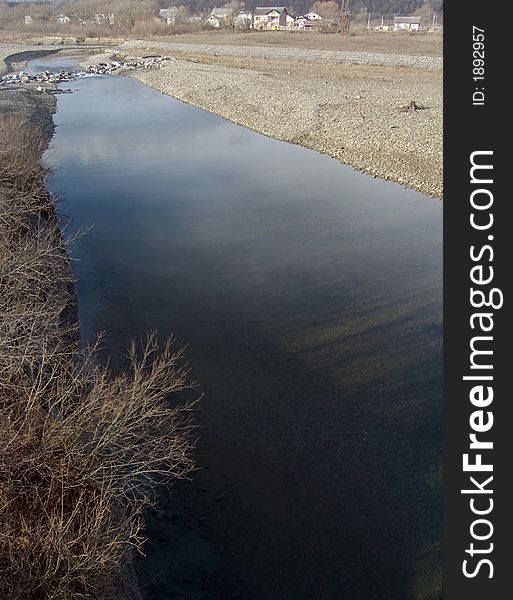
{"x": 26, "y": 51}
{"x": 353, "y": 113}
{"x": 299, "y": 54}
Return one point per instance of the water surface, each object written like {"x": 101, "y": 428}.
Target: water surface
{"x": 310, "y": 300}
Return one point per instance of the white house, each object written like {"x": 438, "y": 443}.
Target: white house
{"x": 313, "y": 16}
{"x": 406, "y": 23}
{"x": 63, "y": 19}
{"x": 270, "y": 17}
{"x": 27, "y": 19}
{"x": 217, "y": 17}
{"x": 305, "y": 24}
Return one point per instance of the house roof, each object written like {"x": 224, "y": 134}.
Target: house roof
{"x": 264, "y": 10}
{"x": 220, "y": 13}
{"x": 409, "y": 20}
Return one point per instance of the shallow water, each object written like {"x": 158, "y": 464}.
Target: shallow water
{"x": 55, "y": 63}
{"x": 309, "y": 297}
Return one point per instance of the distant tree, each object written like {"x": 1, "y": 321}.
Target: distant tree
{"x": 235, "y": 7}
{"x": 328, "y": 10}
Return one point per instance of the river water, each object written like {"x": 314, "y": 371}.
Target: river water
{"x": 309, "y": 297}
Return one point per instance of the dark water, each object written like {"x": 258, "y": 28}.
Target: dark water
{"x": 310, "y": 300}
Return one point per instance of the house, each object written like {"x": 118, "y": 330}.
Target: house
{"x": 63, "y": 19}
{"x": 289, "y": 22}
{"x": 303, "y": 23}
{"x": 27, "y": 19}
{"x": 406, "y": 23}
{"x": 244, "y": 20}
{"x": 218, "y": 17}
{"x": 313, "y": 16}
{"x": 270, "y": 17}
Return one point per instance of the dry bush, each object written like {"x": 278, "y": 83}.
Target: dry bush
{"x": 147, "y": 27}
{"x": 21, "y": 145}
{"x": 81, "y": 451}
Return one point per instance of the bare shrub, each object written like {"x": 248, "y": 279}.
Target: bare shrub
{"x": 81, "y": 450}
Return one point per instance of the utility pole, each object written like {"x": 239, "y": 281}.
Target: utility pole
{"x": 343, "y": 20}
{"x": 368, "y": 20}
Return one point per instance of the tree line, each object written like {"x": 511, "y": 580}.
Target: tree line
{"x": 136, "y": 13}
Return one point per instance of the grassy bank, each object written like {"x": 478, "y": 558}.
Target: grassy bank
{"x": 81, "y": 449}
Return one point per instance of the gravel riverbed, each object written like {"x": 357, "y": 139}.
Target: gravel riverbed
{"x": 352, "y": 112}
{"x": 300, "y": 54}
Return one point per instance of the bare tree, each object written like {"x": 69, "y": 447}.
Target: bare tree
{"x": 329, "y": 10}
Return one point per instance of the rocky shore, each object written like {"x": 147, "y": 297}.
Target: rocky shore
{"x": 351, "y": 106}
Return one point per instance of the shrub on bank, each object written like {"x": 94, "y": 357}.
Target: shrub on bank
{"x": 81, "y": 450}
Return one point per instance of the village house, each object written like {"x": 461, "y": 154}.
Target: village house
{"x": 27, "y": 19}
{"x": 63, "y": 19}
{"x": 313, "y": 16}
{"x": 406, "y": 23}
{"x": 303, "y": 23}
{"x": 218, "y": 17}
{"x": 270, "y": 17}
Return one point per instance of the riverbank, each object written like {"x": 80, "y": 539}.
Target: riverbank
{"x": 74, "y": 438}
{"x": 352, "y": 106}
{"x": 12, "y": 53}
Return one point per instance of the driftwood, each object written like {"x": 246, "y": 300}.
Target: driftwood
{"x": 412, "y": 106}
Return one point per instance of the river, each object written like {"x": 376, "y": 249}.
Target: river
{"x": 309, "y": 298}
